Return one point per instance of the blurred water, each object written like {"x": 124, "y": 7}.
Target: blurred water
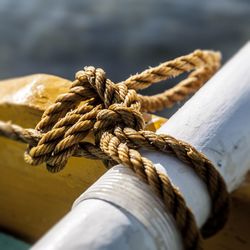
{"x": 121, "y": 36}
{"x": 8, "y": 242}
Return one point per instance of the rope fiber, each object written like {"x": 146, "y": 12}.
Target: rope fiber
{"x": 113, "y": 113}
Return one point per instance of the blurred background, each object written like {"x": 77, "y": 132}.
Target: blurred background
{"x": 121, "y": 36}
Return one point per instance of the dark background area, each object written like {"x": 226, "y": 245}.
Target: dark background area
{"x": 123, "y": 37}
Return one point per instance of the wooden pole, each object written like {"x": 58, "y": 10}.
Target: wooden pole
{"x": 121, "y": 212}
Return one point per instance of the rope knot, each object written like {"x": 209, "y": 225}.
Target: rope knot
{"x": 113, "y": 114}
{"x": 107, "y": 106}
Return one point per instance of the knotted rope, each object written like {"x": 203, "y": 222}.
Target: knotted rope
{"x": 113, "y": 113}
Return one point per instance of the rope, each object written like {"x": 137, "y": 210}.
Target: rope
{"x": 113, "y": 113}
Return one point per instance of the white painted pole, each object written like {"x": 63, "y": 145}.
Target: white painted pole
{"x": 120, "y": 212}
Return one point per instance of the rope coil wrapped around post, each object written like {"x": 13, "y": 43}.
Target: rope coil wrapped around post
{"x": 113, "y": 113}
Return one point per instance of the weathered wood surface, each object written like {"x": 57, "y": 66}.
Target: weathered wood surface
{"x": 32, "y": 199}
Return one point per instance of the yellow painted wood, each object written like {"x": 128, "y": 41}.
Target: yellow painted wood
{"x": 32, "y": 199}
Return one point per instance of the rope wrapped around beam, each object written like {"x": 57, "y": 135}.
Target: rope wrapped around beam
{"x": 113, "y": 113}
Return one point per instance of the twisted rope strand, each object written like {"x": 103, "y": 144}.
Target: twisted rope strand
{"x": 160, "y": 184}
{"x": 189, "y": 155}
{"x": 179, "y": 92}
{"x": 33, "y": 136}
{"x": 113, "y": 113}
{"x": 196, "y": 60}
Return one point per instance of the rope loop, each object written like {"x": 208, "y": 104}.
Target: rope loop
{"x": 113, "y": 113}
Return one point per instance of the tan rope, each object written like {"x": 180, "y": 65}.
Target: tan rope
{"x": 113, "y": 113}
